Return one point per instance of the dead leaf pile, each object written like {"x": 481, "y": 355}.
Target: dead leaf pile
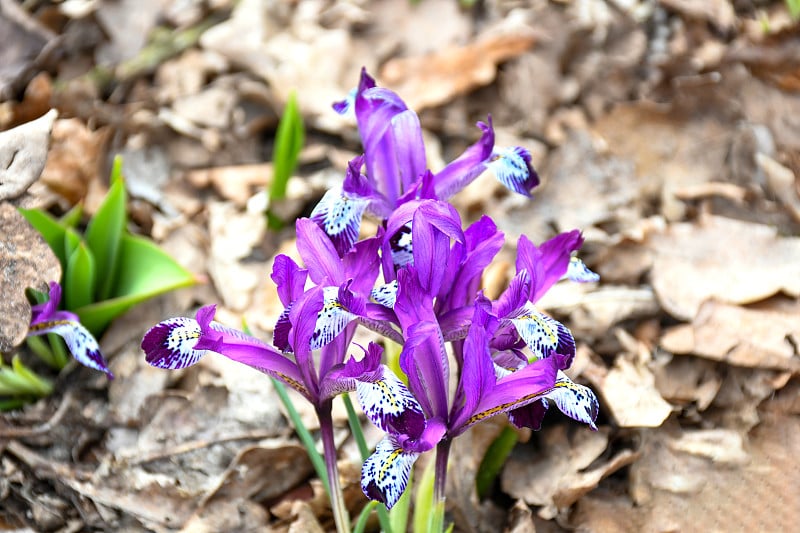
{"x": 667, "y": 131}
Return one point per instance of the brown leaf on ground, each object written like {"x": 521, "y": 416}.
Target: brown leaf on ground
{"x": 629, "y": 392}
{"x": 23, "y": 153}
{"x": 74, "y": 160}
{"x": 559, "y": 476}
{"x": 720, "y": 13}
{"x": 25, "y": 261}
{"x": 728, "y": 260}
{"x": 435, "y": 79}
{"x": 766, "y": 336}
{"x": 677, "y": 491}
{"x": 25, "y": 38}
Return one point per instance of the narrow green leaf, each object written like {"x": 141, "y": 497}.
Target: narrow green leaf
{"x": 43, "y": 351}
{"x": 18, "y": 380}
{"x": 303, "y": 434}
{"x": 72, "y": 218}
{"x": 794, "y": 8}
{"x": 39, "y": 386}
{"x": 116, "y": 170}
{"x": 494, "y": 459}
{"x": 145, "y": 271}
{"x": 12, "y": 403}
{"x": 289, "y": 141}
{"x": 72, "y": 240}
{"x": 361, "y": 523}
{"x": 104, "y": 233}
{"x": 51, "y": 230}
{"x": 423, "y": 501}
{"x": 79, "y": 278}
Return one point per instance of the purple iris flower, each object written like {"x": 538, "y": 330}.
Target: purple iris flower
{"x": 46, "y": 318}
{"x": 320, "y": 317}
{"x": 487, "y": 339}
{"x": 396, "y": 166}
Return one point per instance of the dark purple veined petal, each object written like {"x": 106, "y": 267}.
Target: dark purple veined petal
{"x": 578, "y": 271}
{"x": 180, "y": 342}
{"x": 340, "y": 307}
{"x": 384, "y": 475}
{"x": 318, "y": 253}
{"x": 547, "y": 263}
{"x": 575, "y": 400}
{"x": 468, "y": 166}
{"x": 339, "y": 216}
{"x": 345, "y": 106}
{"x": 171, "y": 344}
{"x": 386, "y": 294}
{"x": 389, "y": 404}
{"x": 525, "y": 386}
{"x": 289, "y": 279}
{"x": 542, "y": 333}
{"x": 512, "y": 167}
{"x": 82, "y": 344}
{"x": 46, "y": 318}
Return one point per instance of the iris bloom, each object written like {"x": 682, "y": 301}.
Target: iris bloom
{"x": 46, "y": 318}
{"x": 493, "y": 373}
{"x": 319, "y": 317}
{"x": 396, "y": 166}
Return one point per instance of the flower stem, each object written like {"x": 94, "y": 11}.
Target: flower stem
{"x": 440, "y": 483}
{"x": 340, "y": 515}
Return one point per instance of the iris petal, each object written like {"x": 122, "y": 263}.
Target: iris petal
{"x": 384, "y": 476}
{"x": 81, "y": 343}
{"x": 170, "y": 344}
{"x": 578, "y": 271}
{"x": 574, "y": 400}
{"x": 332, "y": 319}
{"x": 386, "y": 295}
{"x": 339, "y": 215}
{"x": 542, "y": 333}
{"x": 389, "y": 405}
{"x": 512, "y": 167}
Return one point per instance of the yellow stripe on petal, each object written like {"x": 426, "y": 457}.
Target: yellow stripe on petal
{"x": 384, "y": 476}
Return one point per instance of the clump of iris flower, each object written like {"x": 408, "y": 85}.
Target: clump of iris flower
{"x": 417, "y": 283}
{"x": 46, "y": 318}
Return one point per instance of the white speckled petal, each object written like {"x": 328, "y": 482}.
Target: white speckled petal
{"x": 386, "y": 295}
{"x": 574, "y": 400}
{"x": 578, "y": 271}
{"x": 542, "y": 333}
{"x": 170, "y": 344}
{"x": 385, "y": 473}
{"x": 389, "y": 405}
{"x": 339, "y": 216}
{"x": 81, "y": 343}
{"x": 331, "y": 320}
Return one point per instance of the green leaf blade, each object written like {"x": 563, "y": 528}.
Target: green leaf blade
{"x": 145, "y": 271}
{"x": 52, "y": 231}
{"x": 104, "y": 234}
{"x": 79, "y": 278}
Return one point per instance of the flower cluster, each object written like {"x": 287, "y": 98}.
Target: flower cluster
{"x": 417, "y": 283}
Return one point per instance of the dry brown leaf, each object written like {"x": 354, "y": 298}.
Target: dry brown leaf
{"x": 435, "y": 79}
{"x": 25, "y": 261}
{"x": 558, "y": 477}
{"x": 25, "y": 38}
{"x": 23, "y": 153}
{"x": 629, "y": 392}
{"x": 728, "y": 260}
{"x": 74, "y": 159}
{"x": 686, "y": 379}
{"x": 763, "y": 337}
{"x": 782, "y": 182}
{"x": 676, "y": 491}
{"x": 236, "y": 183}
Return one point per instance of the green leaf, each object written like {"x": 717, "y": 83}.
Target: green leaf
{"x": 288, "y": 142}
{"x": 145, "y": 271}
{"x": 18, "y": 380}
{"x": 423, "y": 502}
{"x": 104, "y": 233}
{"x": 79, "y": 278}
{"x": 72, "y": 218}
{"x": 52, "y": 231}
{"x": 494, "y": 459}
{"x": 794, "y": 8}
{"x": 72, "y": 240}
